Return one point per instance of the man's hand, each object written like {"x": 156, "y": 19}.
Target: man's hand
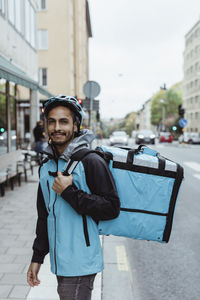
{"x": 61, "y": 183}
{"x": 32, "y": 274}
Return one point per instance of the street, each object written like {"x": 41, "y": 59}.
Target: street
{"x": 171, "y": 271}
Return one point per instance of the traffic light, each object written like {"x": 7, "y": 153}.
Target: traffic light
{"x": 181, "y": 111}
{"x": 2, "y": 130}
{"x": 80, "y": 101}
{"x": 174, "y": 128}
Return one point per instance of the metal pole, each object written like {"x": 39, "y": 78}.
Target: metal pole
{"x": 8, "y": 116}
{"x": 163, "y": 117}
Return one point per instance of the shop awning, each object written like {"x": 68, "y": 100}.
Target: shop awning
{"x": 10, "y": 72}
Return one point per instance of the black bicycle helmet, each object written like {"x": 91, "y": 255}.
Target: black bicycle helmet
{"x": 63, "y": 100}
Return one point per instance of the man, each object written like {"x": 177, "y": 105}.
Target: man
{"x": 39, "y": 135}
{"x": 69, "y": 207}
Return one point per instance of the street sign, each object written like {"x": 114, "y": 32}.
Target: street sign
{"x": 95, "y": 104}
{"x": 182, "y": 122}
{"x": 91, "y": 89}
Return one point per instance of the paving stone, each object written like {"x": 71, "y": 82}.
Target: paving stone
{"x": 5, "y": 258}
{"x": 19, "y": 251}
{"x": 11, "y": 243}
{"x": 3, "y": 249}
{"x": 11, "y": 237}
{"x": 26, "y": 237}
{"x": 5, "y": 290}
{"x": 23, "y": 258}
{"x": 16, "y": 279}
{"x": 20, "y": 291}
{"x": 11, "y": 268}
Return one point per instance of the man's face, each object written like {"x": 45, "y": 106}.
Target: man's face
{"x": 60, "y": 126}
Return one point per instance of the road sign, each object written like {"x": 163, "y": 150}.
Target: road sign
{"x": 182, "y": 122}
{"x": 91, "y": 89}
{"x": 95, "y": 104}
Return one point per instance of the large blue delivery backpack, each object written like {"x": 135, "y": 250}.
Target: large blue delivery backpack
{"x": 148, "y": 186}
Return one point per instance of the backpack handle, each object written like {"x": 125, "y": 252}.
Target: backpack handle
{"x": 141, "y": 149}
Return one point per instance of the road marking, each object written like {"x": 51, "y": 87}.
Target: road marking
{"x": 122, "y": 261}
{"x": 197, "y": 176}
{"x": 193, "y": 165}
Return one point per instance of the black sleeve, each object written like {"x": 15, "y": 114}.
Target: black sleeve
{"x": 41, "y": 242}
{"x": 103, "y": 202}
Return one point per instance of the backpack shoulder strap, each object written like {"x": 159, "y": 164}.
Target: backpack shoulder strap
{"x": 75, "y": 159}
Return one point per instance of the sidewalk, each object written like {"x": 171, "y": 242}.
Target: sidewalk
{"x": 17, "y": 232}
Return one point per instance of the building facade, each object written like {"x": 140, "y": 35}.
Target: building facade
{"x": 143, "y": 117}
{"x": 63, "y": 32}
{"x": 191, "y": 82}
{"x": 18, "y": 72}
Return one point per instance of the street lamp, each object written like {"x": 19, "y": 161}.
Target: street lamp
{"x": 163, "y": 114}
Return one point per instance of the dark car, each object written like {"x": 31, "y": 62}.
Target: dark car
{"x": 145, "y": 137}
{"x": 165, "y": 137}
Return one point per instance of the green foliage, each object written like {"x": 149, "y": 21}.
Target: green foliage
{"x": 172, "y": 98}
{"x": 127, "y": 124}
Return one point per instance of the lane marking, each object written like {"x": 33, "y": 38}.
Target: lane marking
{"x": 122, "y": 261}
{"x": 197, "y": 176}
{"x": 193, "y": 165}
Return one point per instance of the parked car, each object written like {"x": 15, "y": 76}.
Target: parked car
{"x": 118, "y": 137}
{"x": 145, "y": 137}
{"x": 165, "y": 137}
{"x": 3, "y": 138}
{"x": 190, "y": 138}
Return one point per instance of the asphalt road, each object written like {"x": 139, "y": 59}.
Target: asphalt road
{"x": 172, "y": 271}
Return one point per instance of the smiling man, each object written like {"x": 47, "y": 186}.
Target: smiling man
{"x": 69, "y": 207}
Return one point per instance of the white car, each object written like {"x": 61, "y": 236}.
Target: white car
{"x": 190, "y": 138}
{"x": 118, "y": 137}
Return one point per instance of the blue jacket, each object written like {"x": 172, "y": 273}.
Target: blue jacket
{"x": 67, "y": 223}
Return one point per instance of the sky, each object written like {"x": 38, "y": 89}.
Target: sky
{"x": 137, "y": 45}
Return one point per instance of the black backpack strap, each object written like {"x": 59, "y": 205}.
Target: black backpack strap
{"x": 75, "y": 158}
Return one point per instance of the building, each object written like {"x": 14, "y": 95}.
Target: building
{"x": 18, "y": 72}
{"x": 143, "y": 116}
{"x": 63, "y": 32}
{"x": 191, "y": 82}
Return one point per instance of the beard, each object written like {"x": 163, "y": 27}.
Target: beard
{"x": 68, "y": 138}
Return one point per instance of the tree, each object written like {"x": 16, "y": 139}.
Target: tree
{"x": 172, "y": 98}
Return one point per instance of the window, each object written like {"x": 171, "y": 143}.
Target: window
{"x": 11, "y": 11}
{"x": 28, "y": 23}
{"x": 43, "y": 76}
{"x": 32, "y": 27}
{"x": 2, "y": 7}
{"x": 19, "y": 15}
{"x": 196, "y": 115}
{"x": 42, "y": 5}
{"x": 42, "y": 39}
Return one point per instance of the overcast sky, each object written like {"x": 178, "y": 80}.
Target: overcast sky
{"x": 137, "y": 45}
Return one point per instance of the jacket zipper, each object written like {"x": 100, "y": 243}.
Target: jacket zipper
{"x": 85, "y": 229}
{"x": 55, "y": 228}
{"x": 49, "y": 195}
